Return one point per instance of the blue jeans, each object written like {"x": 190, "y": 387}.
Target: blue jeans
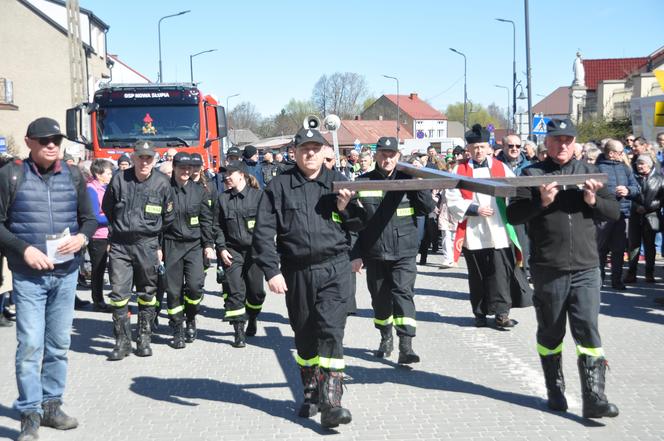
{"x": 44, "y": 315}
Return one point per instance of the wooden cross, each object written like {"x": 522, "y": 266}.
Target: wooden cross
{"x": 437, "y": 179}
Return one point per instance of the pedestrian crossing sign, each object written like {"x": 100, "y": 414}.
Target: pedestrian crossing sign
{"x": 539, "y": 125}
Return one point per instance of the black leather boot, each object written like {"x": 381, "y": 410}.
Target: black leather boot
{"x": 406, "y": 353}
{"x": 592, "y": 371}
{"x": 54, "y": 416}
{"x": 30, "y": 423}
{"x": 386, "y": 345}
{"x": 239, "y": 341}
{"x": 190, "y": 332}
{"x": 555, "y": 382}
{"x": 330, "y": 391}
{"x": 122, "y": 333}
{"x": 178, "y": 334}
{"x": 309, "y": 376}
{"x": 145, "y": 319}
{"x": 251, "y": 326}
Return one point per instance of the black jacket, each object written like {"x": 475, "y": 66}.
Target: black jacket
{"x": 391, "y": 231}
{"x": 192, "y": 215}
{"x": 562, "y": 235}
{"x": 235, "y": 218}
{"x": 650, "y": 198}
{"x": 303, "y": 216}
{"x": 137, "y": 210}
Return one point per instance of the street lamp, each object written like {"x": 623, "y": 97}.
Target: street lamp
{"x": 228, "y": 112}
{"x": 191, "y": 63}
{"x": 161, "y": 78}
{"x": 529, "y": 86}
{"x": 507, "y": 89}
{"x": 513, "y": 66}
{"x": 398, "y": 109}
{"x": 465, "y": 94}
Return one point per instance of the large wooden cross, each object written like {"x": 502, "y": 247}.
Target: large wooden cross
{"x": 436, "y": 179}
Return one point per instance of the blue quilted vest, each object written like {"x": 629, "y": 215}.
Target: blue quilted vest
{"x": 41, "y": 208}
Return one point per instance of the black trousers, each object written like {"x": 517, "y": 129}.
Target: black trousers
{"x": 317, "y": 302}
{"x": 183, "y": 278}
{"x": 611, "y": 237}
{"x": 429, "y": 238}
{"x": 524, "y": 241}
{"x": 640, "y": 232}
{"x": 489, "y": 280}
{"x": 97, "y": 248}
{"x": 391, "y": 284}
{"x": 134, "y": 264}
{"x": 244, "y": 281}
{"x": 562, "y": 294}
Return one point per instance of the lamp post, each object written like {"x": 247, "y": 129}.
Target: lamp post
{"x": 161, "y": 78}
{"x": 507, "y": 89}
{"x": 191, "y": 63}
{"x": 228, "y": 111}
{"x": 398, "y": 109}
{"x": 513, "y": 67}
{"x": 465, "y": 94}
{"x": 529, "y": 86}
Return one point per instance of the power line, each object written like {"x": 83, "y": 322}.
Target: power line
{"x": 446, "y": 90}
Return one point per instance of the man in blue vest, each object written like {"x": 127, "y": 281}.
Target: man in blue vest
{"x": 45, "y": 221}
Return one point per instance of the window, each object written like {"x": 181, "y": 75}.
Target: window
{"x": 431, "y": 133}
{"x": 441, "y": 133}
{"x": 6, "y": 91}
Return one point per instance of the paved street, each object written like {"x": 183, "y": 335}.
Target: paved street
{"x": 479, "y": 384}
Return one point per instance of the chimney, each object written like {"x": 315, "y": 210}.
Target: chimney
{"x": 380, "y": 117}
{"x": 358, "y": 118}
{"x": 413, "y": 96}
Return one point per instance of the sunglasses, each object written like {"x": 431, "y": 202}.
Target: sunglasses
{"x": 514, "y": 146}
{"x": 329, "y": 159}
{"x": 57, "y": 140}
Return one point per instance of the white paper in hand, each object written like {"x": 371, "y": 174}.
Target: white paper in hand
{"x": 53, "y": 241}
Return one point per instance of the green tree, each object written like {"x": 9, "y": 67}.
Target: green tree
{"x": 477, "y": 114}
{"x": 595, "y": 129}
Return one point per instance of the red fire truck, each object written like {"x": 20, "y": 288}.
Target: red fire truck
{"x": 170, "y": 115}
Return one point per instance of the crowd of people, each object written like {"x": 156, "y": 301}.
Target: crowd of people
{"x": 154, "y": 225}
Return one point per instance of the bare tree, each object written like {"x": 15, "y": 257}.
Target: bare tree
{"x": 498, "y": 113}
{"x": 340, "y": 93}
{"x": 245, "y": 116}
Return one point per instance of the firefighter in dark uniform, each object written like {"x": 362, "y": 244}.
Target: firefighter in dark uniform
{"x": 235, "y": 222}
{"x": 199, "y": 176}
{"x": 138, "y": 204}
{"x": 185, "y": 241}
{"x": 387, "y": 248}
{"x": 564, "y": 266}
{"x": 310, "y": 223}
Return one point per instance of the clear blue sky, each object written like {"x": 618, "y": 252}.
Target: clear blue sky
{"x": 270, "y": 51}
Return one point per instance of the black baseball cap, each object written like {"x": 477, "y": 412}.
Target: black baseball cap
{"x": 233, "y": 151}
{"x": 304, "y": 136}
{"x": 143, "y": 147}
{"x": 182, "y": 158}
{"x": 564, "y": 127}
{"x": 43, "y": 128}
{"x": 388, "y": 143}
{"x": 234, "y": 166}
{"x": 196, "y": 159}
{"x": 124, "y": 158}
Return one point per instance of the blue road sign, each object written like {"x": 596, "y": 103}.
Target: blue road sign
{"x": 539, "y": 125}
{"x": 3, "y": 144}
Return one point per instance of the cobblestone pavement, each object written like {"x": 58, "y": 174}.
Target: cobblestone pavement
{"x": 474, "y": 384}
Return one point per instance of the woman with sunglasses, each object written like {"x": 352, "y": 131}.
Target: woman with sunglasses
{"x": 235, "y": 220}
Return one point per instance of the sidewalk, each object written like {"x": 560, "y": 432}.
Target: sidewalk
{"x": 472, "y": 384}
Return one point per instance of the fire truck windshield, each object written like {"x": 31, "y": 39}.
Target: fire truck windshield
{"x": 165, "y": 125}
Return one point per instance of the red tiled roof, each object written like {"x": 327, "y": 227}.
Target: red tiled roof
{"x": 415, "y": 107}
{"x": 367, "y": 131}
{"x": 610, "y": 69}
{"x": 555, "y": 103}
